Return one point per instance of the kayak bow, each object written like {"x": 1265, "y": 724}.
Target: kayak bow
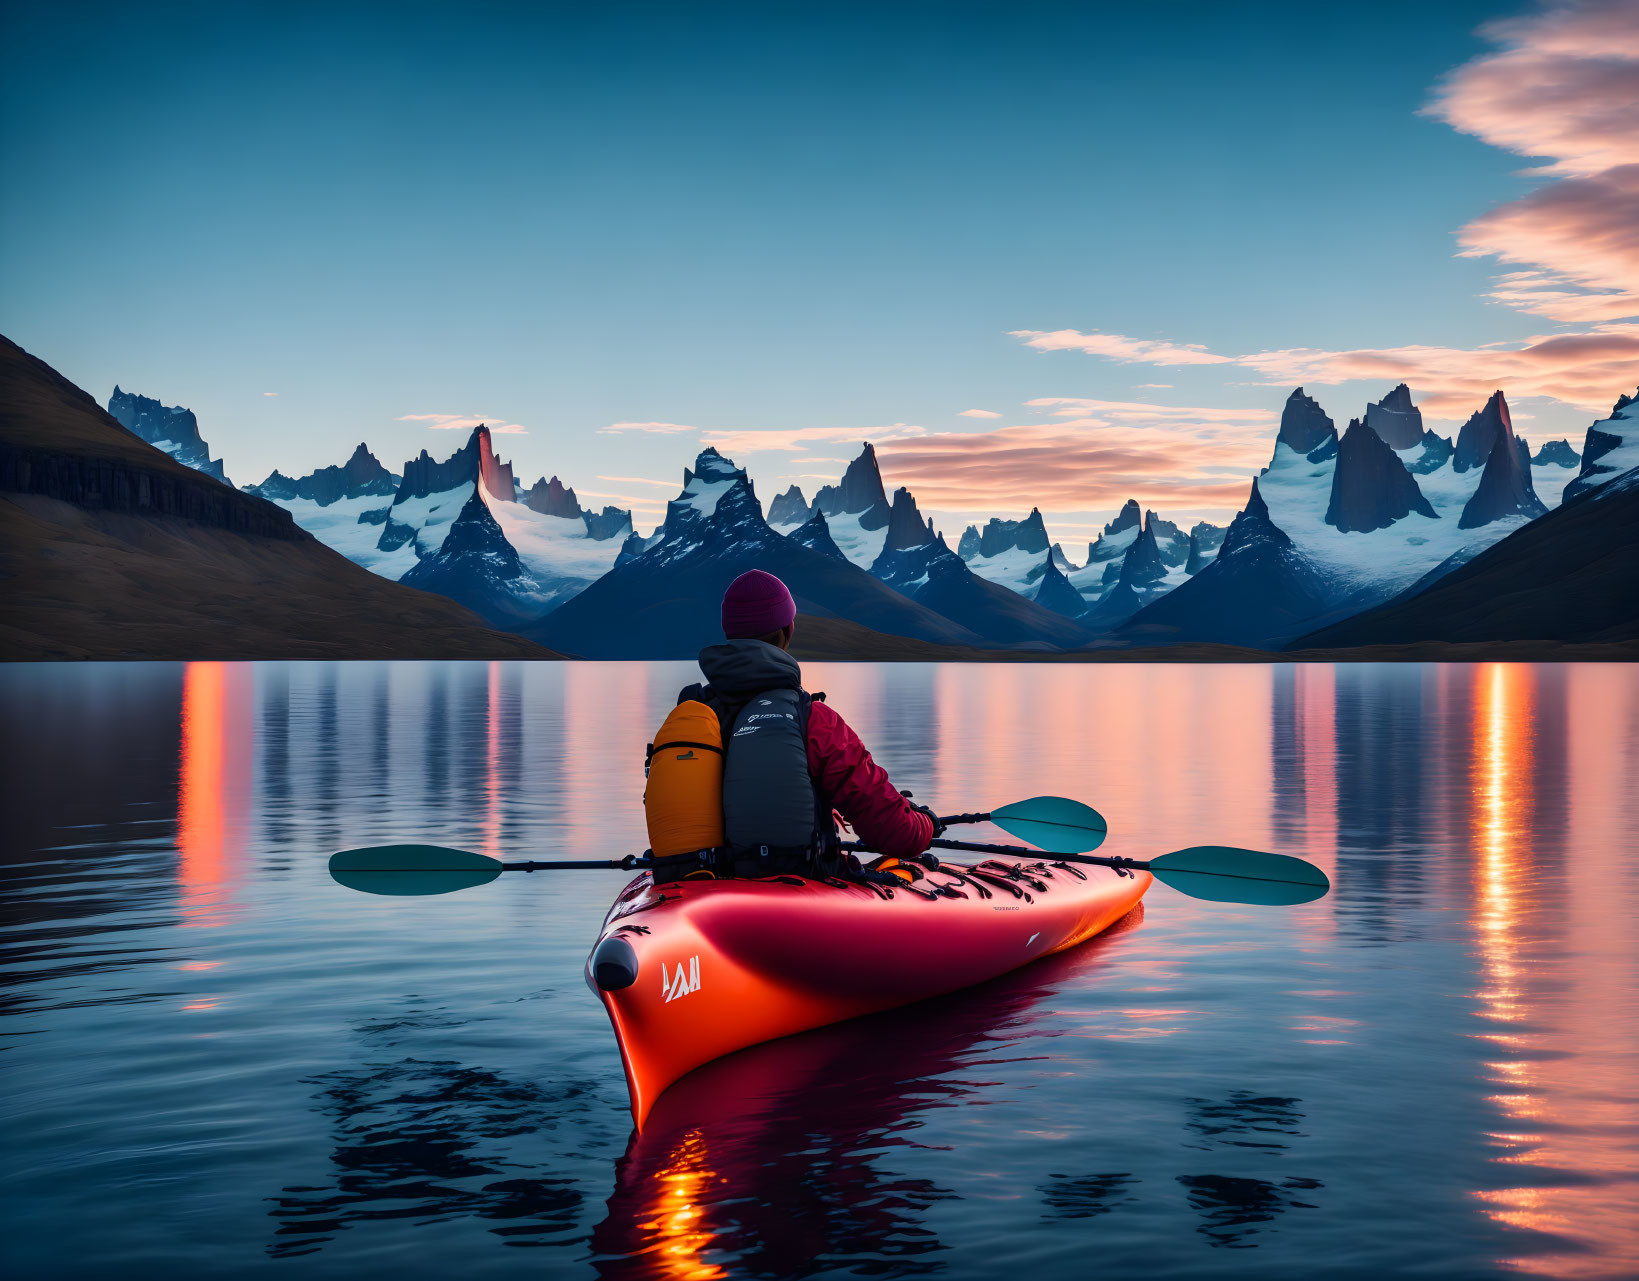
{"x": 695, "y": 970}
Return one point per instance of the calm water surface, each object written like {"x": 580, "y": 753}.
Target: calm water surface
{"x": 218, "y": 1062}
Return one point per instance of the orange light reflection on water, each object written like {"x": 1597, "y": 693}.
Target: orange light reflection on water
{"x": 1556, "y": 1119}
{"x": 218, "y": 742}
{"x": 677, "y": 1226}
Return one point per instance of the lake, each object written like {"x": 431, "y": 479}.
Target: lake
{"x": 219, "y": 1062}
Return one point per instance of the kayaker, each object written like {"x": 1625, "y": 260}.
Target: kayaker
{"x": 790, "y": 761}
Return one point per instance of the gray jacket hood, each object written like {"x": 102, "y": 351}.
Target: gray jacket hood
{"x": 747, "y": 666}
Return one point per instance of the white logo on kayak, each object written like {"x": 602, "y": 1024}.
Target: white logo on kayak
{"x": 684, "y": 981}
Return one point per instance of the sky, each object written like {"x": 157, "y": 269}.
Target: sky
{"x": 1042, "y": 254}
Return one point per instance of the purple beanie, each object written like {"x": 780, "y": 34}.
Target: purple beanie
{"x": 755, "y": 604}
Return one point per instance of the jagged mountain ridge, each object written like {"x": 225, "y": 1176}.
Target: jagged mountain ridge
{"x": 396, "y": 525}
{"x": 662, "y": 601}
{"x": 1570, "y": 576}
{"x": 119, "y": 551}
{"x": 1362, "y": 521}
{"x": 170, "y": 428}
{"x": 361, "y": 476}
{"x": 916, "y": 561}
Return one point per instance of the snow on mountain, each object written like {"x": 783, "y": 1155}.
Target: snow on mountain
{"x": 1305, "y": 427}
{"x": 917, "y": 562}
{"x": 1205, "y": 539}
{"x": 1142, "y": 575}
{"x": 856, "y": 510}
{"x": 1259, "y": 588}
{"x": 476, "y": 565}
{"x": 1568, "y": 576}
{"x": 167, "y": 427}
{"x": 1011, "y": 552}
{"x": 1137, "y": 557}
{"x": 816, "y": 534}
{"x": 1611, "y": 447}
{"x": 511, "y": 559}
{"x": 344, "y": 507}
{"x": 662, "y": 601}
{"x": 1359, "y": 523}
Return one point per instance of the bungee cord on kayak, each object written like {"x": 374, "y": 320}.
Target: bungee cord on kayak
{"x": 759, "y": 920}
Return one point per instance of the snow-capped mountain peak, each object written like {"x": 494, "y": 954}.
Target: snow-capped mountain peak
{"x": 1610, "y": 448}
{"x": 860, "y": 492}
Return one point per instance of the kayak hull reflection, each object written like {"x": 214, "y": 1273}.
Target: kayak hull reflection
{"x": 694, "y": 970}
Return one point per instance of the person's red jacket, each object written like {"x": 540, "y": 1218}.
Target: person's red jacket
{"x": 859, "y": 789}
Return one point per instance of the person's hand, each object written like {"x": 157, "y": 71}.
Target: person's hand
{"x": 938, "y": 827}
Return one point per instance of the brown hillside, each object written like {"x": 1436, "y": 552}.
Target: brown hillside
{"x": 111, "y": 549}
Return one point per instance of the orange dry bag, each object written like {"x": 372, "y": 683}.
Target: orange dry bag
{"x": 684, "y": 799}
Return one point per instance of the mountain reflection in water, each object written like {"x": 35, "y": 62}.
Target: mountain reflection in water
{"x": 228, "y": 1064}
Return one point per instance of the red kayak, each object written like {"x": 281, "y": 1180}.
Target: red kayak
{"x": 697, "y": 969}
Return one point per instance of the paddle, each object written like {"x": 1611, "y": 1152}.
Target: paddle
{"x": 1215, "y": 873}
{"x": 1053, "y": 823}
{"x": 437, "y": 869}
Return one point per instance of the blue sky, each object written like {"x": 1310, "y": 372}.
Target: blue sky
{"x": 841, "y": 219}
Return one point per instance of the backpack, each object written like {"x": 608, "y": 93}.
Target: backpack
{"x": 741, "y": 803}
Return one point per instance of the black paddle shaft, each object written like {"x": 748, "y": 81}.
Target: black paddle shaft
{"x": 950, "y": 820}
{"x": 630, "y": 863}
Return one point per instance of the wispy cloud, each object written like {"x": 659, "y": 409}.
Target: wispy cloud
{"x": 1145, "y": 351}
{"x": 1563, "y": 85}
{"x": 795, "y": 439}
{"x": 978, "y": 413}
{"x": 270, "y": 393}
{"x": 1581, "y": 369}
{"x": 1062, "y": 467}
{"x": 1152, "y": 386}
{"x": 465, "y": 422}
{"x": 659, "y": 429}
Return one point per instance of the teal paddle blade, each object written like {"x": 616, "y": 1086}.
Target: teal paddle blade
{"x": 409, "y": 884}
{"x": 1224, "y": 874}
{"x": 403, "y": 870}
{"x": 1053, "y": 823}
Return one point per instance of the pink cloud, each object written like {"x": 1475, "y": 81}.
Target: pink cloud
{"x": 1581, "y": 369}
{"x": 1563, "y": 86}
{"x": 1061, "y": 467}
{"x": 978, "y": 413}
{"x": 1119, "y": 347}
{"x": 1582, "y": 237}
